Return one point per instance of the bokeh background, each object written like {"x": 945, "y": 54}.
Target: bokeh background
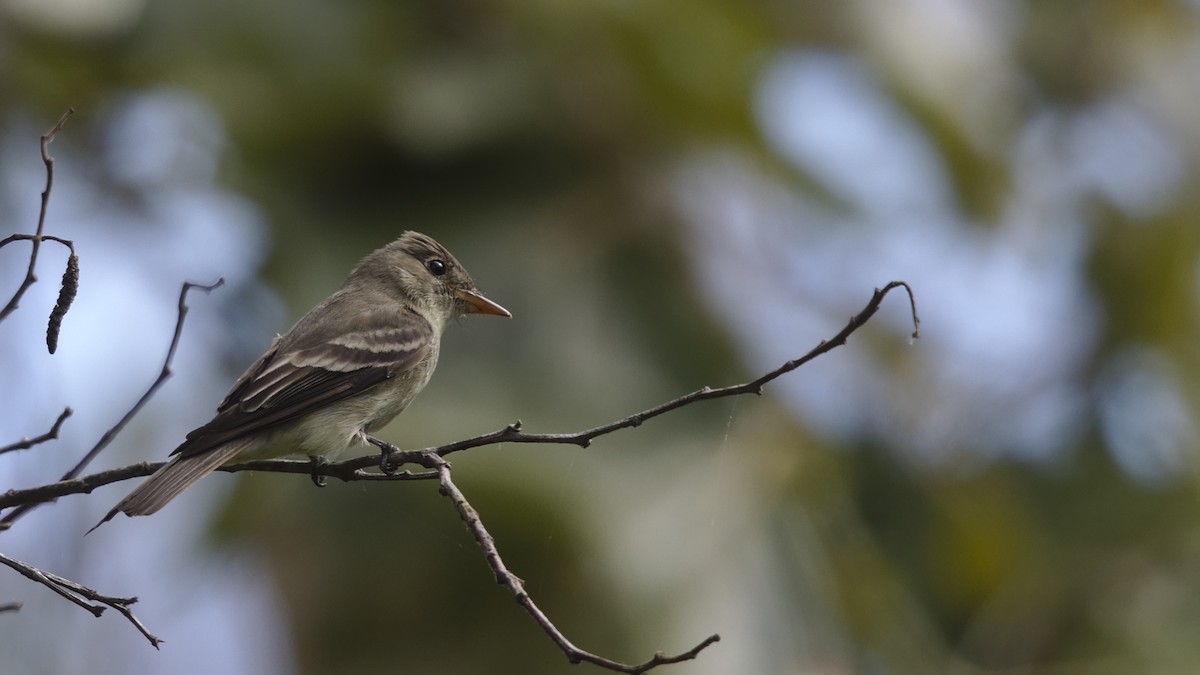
{"x": 667, "y": 194}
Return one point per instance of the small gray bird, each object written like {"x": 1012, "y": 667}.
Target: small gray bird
{"x": 348, "y": 367}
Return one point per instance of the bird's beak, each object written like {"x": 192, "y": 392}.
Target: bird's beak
{"x": 477, "y": 304}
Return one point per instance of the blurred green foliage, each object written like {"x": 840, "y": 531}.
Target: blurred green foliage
{"x": 538, "y": 140}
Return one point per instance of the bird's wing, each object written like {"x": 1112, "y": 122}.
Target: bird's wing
{"x": 296, "y": 378}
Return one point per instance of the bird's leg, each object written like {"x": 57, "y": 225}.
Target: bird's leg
{"x": 387, "y": 454}
{"x": 318, "y": 463}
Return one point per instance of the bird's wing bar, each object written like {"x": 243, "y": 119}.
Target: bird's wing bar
{"x": 288, "y": 383}
{"x": 291, "y": 377}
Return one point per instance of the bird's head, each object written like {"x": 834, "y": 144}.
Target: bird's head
{"x": 428, "y": 278}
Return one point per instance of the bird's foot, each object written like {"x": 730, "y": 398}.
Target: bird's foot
{"x": 318, "y": 463}
{"x": 389, "y": 462}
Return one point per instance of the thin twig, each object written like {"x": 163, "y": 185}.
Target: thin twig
{"x": 517, "y": 587}
{"x": 109, "y": 435}
{"x": 82, "y": 485}
{"x": 30, "y": 275}
{"x": 355, "y": 469}
{"x": 513, "y": 434}
{"x": 30, "y": 237}
{"x": 163, "y": 376}
{"x": 26, "y": 443}
{"x": 80, "y": 594}
{"x": 11, "y": 607}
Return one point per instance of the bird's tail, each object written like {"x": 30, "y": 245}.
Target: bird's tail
{"x": 173, "y": 478}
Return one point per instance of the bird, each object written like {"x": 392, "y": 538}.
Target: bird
{"x": 346, "y": 368}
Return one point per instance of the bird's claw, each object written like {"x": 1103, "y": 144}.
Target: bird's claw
{"x": 388, "y": 463}
{"x": 318, "y": 463}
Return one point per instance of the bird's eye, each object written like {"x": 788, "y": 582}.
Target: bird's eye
{"x": 436, "y": 267}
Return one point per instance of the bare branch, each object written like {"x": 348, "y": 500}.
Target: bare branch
{"x": 513, "y": 434}
{"x": 163, "y": 376}
{"x": 83, "y": 485}
{"x": 80, "y": 595}
{"x": 30, "y": 275}
{"x": 109, "y": 435}
{"x": 11, "y": 607}
{"x": 26, "y": 443}
{"x": 431, "y": 458}
{"x": 517, "y": 587}
{"x": 354, "y": 469}
{"x": 75, "y": 592}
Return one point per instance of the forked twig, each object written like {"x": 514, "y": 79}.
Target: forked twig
{"x": 109, "y": 435}
{"x": 26, "y": 443}
{"x": 36, "y": 239}
{"x": 517, "y": 587}
{"x": 80, "y": 595}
